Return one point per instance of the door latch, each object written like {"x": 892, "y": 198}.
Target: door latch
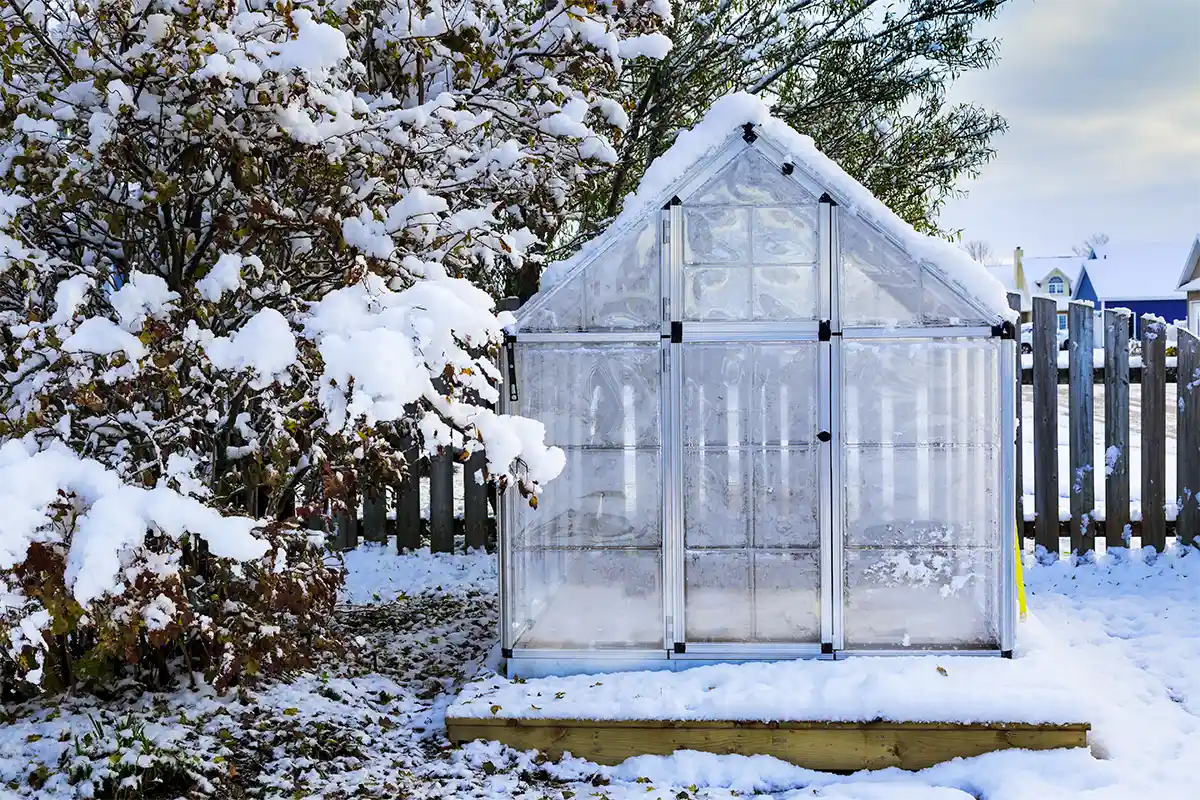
{"x": 824, "y": 436}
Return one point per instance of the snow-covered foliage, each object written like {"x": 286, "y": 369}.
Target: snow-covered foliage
{"x": 233, "y": 237}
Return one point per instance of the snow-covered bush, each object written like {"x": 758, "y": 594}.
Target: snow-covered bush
{"x": 240, "y": 251}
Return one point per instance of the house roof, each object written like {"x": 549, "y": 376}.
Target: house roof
{"x": 1039, "y": 268}
{"x": 1189, "y": 279}
{"x": 720, "y": 129}
{"x": 1134, "y": 271}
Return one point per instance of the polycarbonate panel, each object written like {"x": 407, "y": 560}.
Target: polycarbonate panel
{"x": 914, "y": 391}
{"x": 592, "y": 599}
{"x": 584, "y": 568}
{"x": 716, "y": 293}
{"x": 750, "y": 496}
{"x": 881, "y": 285}
{"x": 751, "y": 180}
{"x": 596, "y": 395}
{"x": 750, "y": 246}
{"x": 716, "y": 235}
{"x": 603, "y": 498}
{"x": 786, "y": 499}
{"x": 941, "y": 305}
{"x": 787, "y": 596}
{"x": 718, "y": 597}
{"x": 943, "y": 598}
{"x": 921, "y": 495}
{"x": 620, "y": 290}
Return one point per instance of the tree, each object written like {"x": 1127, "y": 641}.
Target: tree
{"x": 1088, "y": 246}
{"x": 979, "y": 250}
{"x": 865, "y": 79}
{"x": 237, "y": 235}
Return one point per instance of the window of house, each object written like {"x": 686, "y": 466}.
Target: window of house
{"x": 1056, "y": 285}
{"x": 1062, "y": 322}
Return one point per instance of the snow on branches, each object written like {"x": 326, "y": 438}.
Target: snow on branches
{"x": 241, "y": 242}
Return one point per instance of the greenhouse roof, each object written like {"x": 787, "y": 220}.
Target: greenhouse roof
{"x": 724, "y": 124}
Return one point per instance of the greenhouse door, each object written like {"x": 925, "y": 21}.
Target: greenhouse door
{"x": 748, "y": 479}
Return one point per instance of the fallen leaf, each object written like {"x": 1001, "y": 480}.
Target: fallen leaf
{"x": 942, "y": 671}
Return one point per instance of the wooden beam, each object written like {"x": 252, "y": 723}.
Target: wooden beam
{"x": 1188, "y": 444}
{"x": 837, "y": 746}
{"x": 1154, "y": 433}
{"x": 1082, "y": 488}
{"x": 1116, "y": 426}
{"x": 1045, "y": 424}
{"x": 1014, "y": 302}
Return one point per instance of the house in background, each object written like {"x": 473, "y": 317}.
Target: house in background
{"x": 1040, "y": 276}
{"x": 1143, "y": 278}
{"x": 1189, "y": 284}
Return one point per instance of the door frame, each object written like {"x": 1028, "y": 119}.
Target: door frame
{"x": 675, "y": 332}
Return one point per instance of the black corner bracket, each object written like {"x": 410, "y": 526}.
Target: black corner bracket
{"x": 748, "y": 133}
{"x": 1005, "y": 330}
{"x": 825, "y": 198}
{"x": 506, "y": 652}
{"x": 674, "y": 201}
{"x": 1006, "y": 653}
{"x": 825, "y": 331}
{"x": 788, "y": 168}
{"x": 680, "y": 647}
{"x": 826, "y": 648}
{"x": 676, "y": 332}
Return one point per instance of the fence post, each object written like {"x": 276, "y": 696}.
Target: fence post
{"x": 375, "y": 514}
{"x": 1116, "y": 426}
{"x": 408, "y": 504}
{"x": 1187, "y": 427}
{"x": 475, "y": 502}
{"x": 1154, "y": 433}
{"x": 1082, "y": 427}
{"x": 347, "y": 523}
{"x": 441, "y": 502}
{"x": 1014, "y": 302}
{"x": 1045, "y": 424}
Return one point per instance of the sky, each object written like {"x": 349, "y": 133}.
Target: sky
{"x": 1102, "y": 99}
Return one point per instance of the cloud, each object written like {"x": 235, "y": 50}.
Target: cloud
{"x": 1103, "y": 103}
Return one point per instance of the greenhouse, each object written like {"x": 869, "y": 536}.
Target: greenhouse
{"x": 788, "y": 421}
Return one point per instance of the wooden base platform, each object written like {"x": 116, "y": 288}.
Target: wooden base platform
{"x": 828, "y": 746}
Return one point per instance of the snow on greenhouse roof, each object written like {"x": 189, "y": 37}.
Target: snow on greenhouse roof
{"x": 724, "y": 121}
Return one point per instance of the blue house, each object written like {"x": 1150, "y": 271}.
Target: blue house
{"x": 1143, "y": 278}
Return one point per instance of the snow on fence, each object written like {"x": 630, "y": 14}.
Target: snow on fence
{"x": 1167, "y": 467}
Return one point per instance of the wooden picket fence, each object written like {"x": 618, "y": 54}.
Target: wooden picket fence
{"x": 395, "y": 511}
{"x": 1118, "y": 527}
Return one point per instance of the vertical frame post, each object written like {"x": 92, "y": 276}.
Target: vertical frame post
{"x": 672, "y": 428}
{"x": 1010, "y": 388}
{"x": 1014, "y": 302}
{"x": 832, "y": 542}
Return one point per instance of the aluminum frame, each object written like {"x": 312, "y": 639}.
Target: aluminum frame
{"x": 830, "y": 411}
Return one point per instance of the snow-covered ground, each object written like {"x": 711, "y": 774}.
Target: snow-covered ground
{"x": 1117, "y": 641}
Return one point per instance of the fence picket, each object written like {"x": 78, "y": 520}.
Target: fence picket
{"x": 475, "y": 502}
{"x": 441, "y": 502}
{"x": 1187, "y": 427}
{"x": 1116, "y": 426}
{"x": 1082, "y": 424}
{"x": 374, "y": 521}
{"x": 1014, "y": 302}
{"x": 1154, "y": 433}
{"x": 1045, "y": 423}
{"x": 408, "y": 505}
